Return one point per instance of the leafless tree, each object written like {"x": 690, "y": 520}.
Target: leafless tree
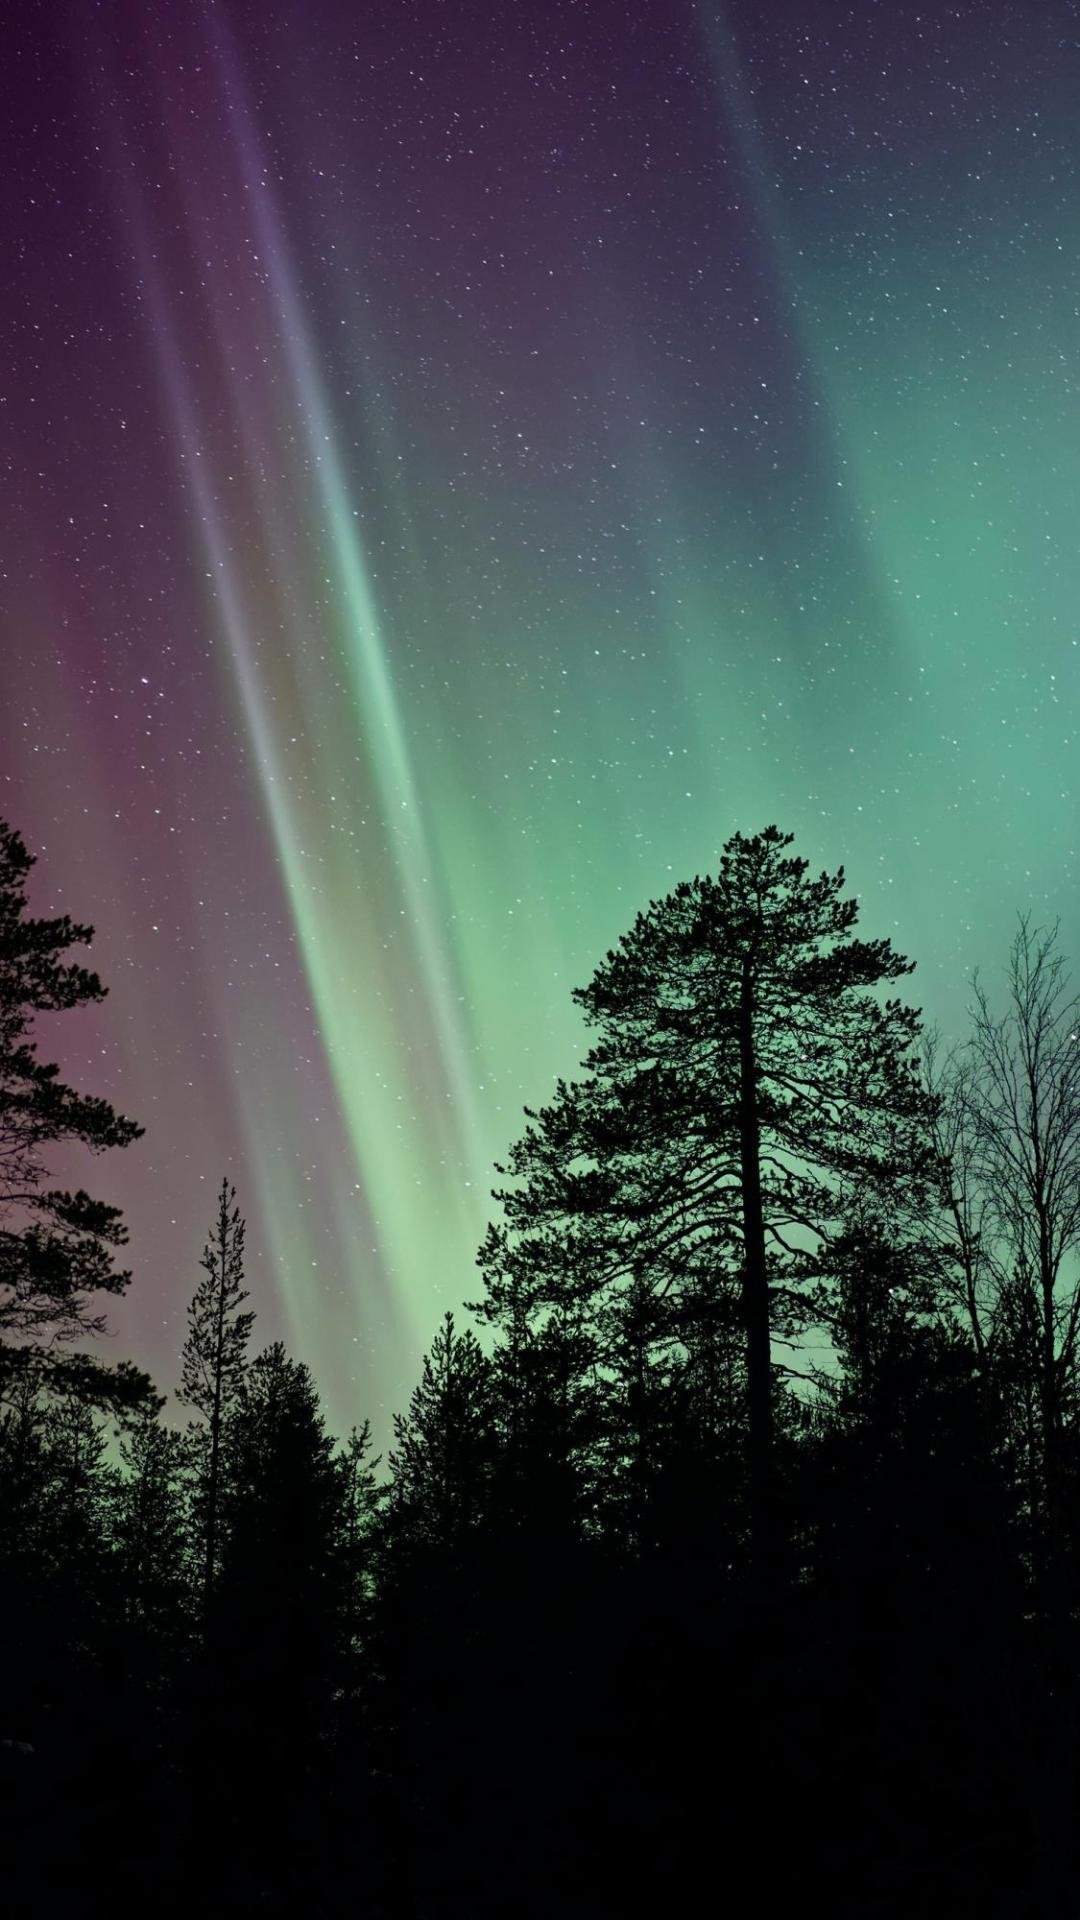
{"x": 971, "y": 1275}
{"x": 1017, "y": 1189}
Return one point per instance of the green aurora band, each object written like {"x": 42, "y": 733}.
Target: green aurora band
{"x": 666, "y": 460}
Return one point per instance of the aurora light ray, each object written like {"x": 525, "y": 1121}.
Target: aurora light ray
{"x": 376, "y": 709}
{"x": 450, "y": 407}
{"x": 279, "y": 1202}
{"x": 235, "y": 624}
{"x": 390, "y": 1167}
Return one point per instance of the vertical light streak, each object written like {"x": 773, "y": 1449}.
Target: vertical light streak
{"x": 387, "y": 999}
{"x": 378, "y": 1157}
{"x": 377, "y": 714}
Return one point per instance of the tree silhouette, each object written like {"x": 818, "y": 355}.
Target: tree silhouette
{"x": 57, "y": 1249}
{"x": 745, "y": 1078}
{"x": 642, "y": 1585}
{"x": 148, "y": 1529}
{"x": 914, "y": 1586}
{"x": 281, "y": 1510}
{"x": 213, "y": 1360}
{"x": 441, "y": 1460}
{"x": 963, "y": 1220}
{"x": 277, "y": 1654}
{"x": 58, "y": 1594}
{"x": 361, "y": 1499}
{"x": 1024, "y": 1096}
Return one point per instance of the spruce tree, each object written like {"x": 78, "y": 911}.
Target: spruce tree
{"x": 360, "y": 1502}
{"x": 442, "y": 1458}
{"x": 148, "y": 1535}
{"x": 268, "y": 1686}
{"x": 213, "y": 1362}
{"x": 57, "y": 1248}
{"x": 283, "y": 1511}
{"x": 58, "y": 1578}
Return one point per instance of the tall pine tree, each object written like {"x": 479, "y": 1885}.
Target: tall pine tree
{"x": 442, "y": 1458}
{"x": 213, "y": 1362}
{"x": 746, "y": 1080}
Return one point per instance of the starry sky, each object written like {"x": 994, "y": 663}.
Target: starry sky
{"x": 461, "y": 462}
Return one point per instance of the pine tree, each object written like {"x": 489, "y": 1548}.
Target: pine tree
{"x": 24, "y": 1583}
{"x": 57, "y": 1589}
{"x": 265, "y": 1691}
{"x": 148, "y": 1532}
{"x": 549, "y": 1427}
{"x": 57, "y": 1249}
{"x": 442, "y": 1457}
{"x": 745, "y": 1078}
{"x": 283, "y": 1503}
{"x": 213, "y": 1362}
{"x": 361, "y": 1499}
{"x": 280, "y": 1609}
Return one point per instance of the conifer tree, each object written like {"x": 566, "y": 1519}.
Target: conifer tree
{"x": 68, "y": 1528}
{"x": 549, "y": 1427}
{"x": 24, "y": 1572}
{"x": 57, "y": 1248}
{"x": 59, "y": 1603}
{"x": 148, "y": 1531}
{"x": 265, "y": 1697}
{"x": 279, "y": 1598}
{"x": 746, "y": 1077}
{"x": 361, "y": 1499}
{"x": 213, "y": 1362}
{"x": 284, "y": 1492}
{"x": 441, "y": 1460}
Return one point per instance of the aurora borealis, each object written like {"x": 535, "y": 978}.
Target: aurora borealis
{"x": 462, "y": 463}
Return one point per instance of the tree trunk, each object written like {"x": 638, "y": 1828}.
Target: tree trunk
{"x": 755, "y": 1288}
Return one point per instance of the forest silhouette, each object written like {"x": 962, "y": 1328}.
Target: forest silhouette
{"x": 726, "y": 1553}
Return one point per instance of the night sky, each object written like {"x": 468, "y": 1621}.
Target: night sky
{"x": 461, "y": 463}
